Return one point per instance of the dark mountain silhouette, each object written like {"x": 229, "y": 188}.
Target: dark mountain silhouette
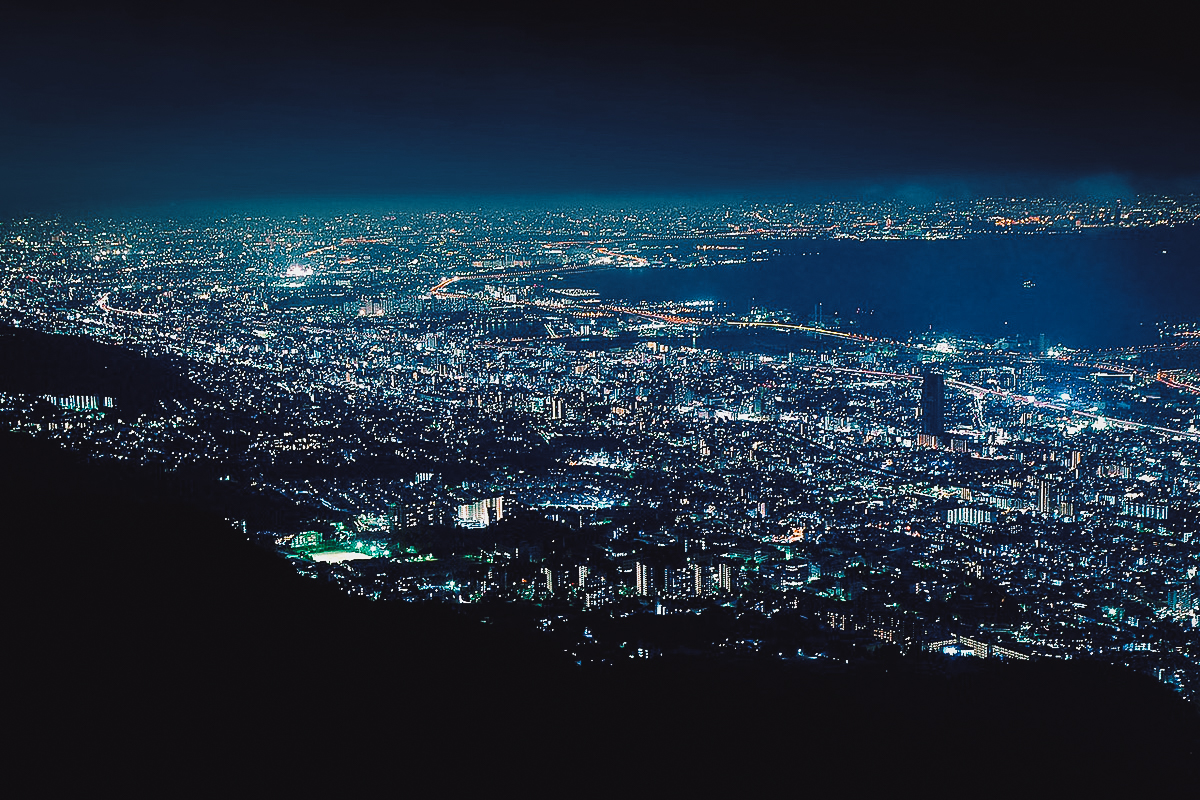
{"x": 139, "y": 613}
{"x": 61, "y": 366}
{"x": 146, "y": 626}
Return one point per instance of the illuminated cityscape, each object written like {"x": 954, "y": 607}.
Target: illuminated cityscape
{"x": 552, "y": 395}
{"x": 458, "y": 417}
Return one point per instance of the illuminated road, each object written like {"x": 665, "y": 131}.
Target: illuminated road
{"x": 102, "y": 303}
{"x": 1166, "y": 376}
{"x": 1021, "y": 399}
{"x": 855, "y": 337}
{"x": 1161, "y": 376}
{"x": 671, "y": 319}
{"x": 1031, "y": 401}
{"x": 484, "y": 276}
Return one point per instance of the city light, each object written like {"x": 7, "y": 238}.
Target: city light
{"x": 470, "y": 408}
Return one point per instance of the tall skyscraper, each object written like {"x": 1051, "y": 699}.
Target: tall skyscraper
{"x": 933, "y": 404}
{"x": 644, "y": 575}
{"x": 1045, "y": 496}
{"x": 725, "y": 577}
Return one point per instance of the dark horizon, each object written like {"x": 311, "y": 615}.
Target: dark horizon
{"x": 146, "y": 107}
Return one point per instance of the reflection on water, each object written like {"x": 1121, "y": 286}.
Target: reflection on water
{"x": 1093, "y": 289}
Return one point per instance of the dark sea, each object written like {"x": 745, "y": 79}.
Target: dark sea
{"x": 1092, "y": 289}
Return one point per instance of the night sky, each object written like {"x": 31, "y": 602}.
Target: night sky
{"x": 106, "y": 107}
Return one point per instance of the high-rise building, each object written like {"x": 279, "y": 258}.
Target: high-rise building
{"x": 933, "y": 404}
{"x": 969, "y": 515}
{"x": 480, "y": 513}
{"x": 725, "y": 576}
{"x": 644, "y": 575}
{"x": 1045, "y": 496}
{"x": 1180, "y": 598}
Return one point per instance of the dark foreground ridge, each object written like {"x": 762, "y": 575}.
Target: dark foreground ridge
{"x": 38, "y": 363}
{"x": 147, "y": 626}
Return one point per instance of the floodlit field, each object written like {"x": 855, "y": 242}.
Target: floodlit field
{"x": 337, "y": 556}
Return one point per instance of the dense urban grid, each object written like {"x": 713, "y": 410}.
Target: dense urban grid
{"x": 453, "y": 422}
